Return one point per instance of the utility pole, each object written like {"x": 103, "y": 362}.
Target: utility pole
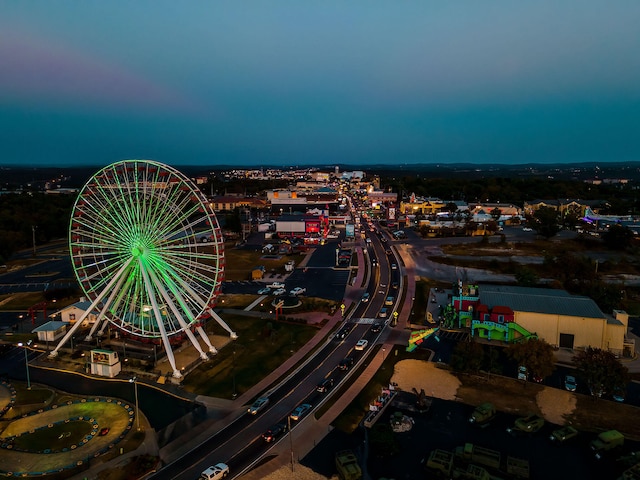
{"x": 33, "y": 235}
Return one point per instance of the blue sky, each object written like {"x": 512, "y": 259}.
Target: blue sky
{"x": 307, "y": 82}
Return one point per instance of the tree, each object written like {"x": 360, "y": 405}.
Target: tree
{"x": 545, "y": 221}
{"x": 526, "y": 276}
{"x": 467, "y": 357}
{"x": 534, "y": 354}
{"x": 618, "y": 237}
{"x": 496, "y": 213}
{"x": 602, "y": 371}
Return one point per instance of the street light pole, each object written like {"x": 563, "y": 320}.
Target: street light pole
{"x": 26, "y": 361}
{"x": 290, "y": 440}
{"x": 135, "y": 389}
{"x": 233, "y": 370}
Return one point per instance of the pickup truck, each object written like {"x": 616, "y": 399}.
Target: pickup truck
{"x": 275, "y": 285}
{"x": 606, "y": 441}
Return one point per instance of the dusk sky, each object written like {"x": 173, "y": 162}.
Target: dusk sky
{"x": 309, "y": 82}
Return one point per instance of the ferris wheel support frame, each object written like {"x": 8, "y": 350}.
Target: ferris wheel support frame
{"x": 67, "y": 336}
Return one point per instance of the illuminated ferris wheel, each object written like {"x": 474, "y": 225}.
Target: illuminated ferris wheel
{"x": 148, "y": 252}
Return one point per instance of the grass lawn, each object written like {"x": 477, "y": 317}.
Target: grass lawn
{"x": 59, "y": 436}
{"x": 262, "y": 346}
{"x": 35, "y": 396}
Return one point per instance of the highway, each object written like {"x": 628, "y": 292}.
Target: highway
{"x": 240, "y": 444}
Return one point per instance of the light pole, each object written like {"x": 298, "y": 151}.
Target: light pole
{"x": 135, "y": 389}
{"x": 26, "y": 361}
{"x": 233, "y": 370}
{"x": 290, "y": 440}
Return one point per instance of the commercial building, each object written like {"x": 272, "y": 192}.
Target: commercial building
{"x": 510, "y": 314}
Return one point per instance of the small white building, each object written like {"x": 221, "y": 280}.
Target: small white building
{"x": 50, "y": 331}
{"x": 105, "y": 363}
{"x": 73, "y": 312}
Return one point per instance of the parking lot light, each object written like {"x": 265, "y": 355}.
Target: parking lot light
{"x": 26, "y": 361}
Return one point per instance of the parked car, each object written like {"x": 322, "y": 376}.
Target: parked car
{"x": 563, "y": 434}
{"x": 300, "y": 411}
{"x": 529, "y": 424}
{"x": 275, "y": 285}
{"x": 274, "y": 432}
{"x": 483, "y": 414}
{"x": 570, "y": 383}
{"x": 325, "y": 385}
{"x": 522, "y": 373}
{"x": 362, "y": 344}
{"x": 264, "y": 291}
{"x": 618, "y": 394}
{"x": 259, "y": 405}
{"x": 297, "y": 291}
{"x": 279, "y": 291}
{"x": 527, "y": 229}
{"x": 345, "y": 364}
{"x": 215, "y": 472}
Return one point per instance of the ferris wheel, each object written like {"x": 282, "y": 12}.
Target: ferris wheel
{"x": 148, "y": 253}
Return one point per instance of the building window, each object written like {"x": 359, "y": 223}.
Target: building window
{"x": 72, "y": 316}
{"x": 500, "y": 318}
{"x": 487, "y": 317}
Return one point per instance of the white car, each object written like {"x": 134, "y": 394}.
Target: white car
{"x": 297, "y": 291}
{"x": 259, "y": 405}
{"x": 279, "y": 291}
{"x": 215, "y": 472}
{"x": 362, "y": 344}
{"x": 527, "y": 229}
{"x": 275, "y": 285}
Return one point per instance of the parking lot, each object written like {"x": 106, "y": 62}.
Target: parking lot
{"x": 446, "y": 426}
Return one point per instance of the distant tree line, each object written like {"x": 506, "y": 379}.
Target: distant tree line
{"x": 621, "y": 199}
{"x": 25, "y": 215}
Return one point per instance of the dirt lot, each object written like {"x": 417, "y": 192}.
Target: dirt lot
{"x": 512, "y": 396}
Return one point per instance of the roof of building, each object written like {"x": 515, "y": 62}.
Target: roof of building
{"x": 51, "y": 326}
{"x": 540, "y": 300}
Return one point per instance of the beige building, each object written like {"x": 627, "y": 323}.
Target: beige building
{"x": 561, "y": 319}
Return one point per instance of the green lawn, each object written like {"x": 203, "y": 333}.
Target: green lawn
{"x": 262, "y": 346}
{"x": 54, "y": 439}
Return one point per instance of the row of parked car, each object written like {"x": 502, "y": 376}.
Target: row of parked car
{"x": 278, "y": 289}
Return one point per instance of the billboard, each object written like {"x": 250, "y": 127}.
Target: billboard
{"x": 350, "y": 230}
